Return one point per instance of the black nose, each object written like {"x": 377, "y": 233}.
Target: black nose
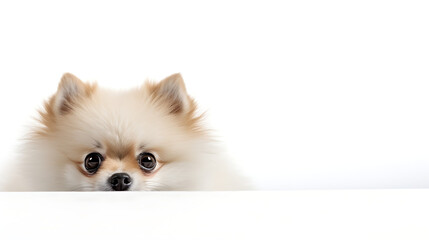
{"x": 120, "y": 181}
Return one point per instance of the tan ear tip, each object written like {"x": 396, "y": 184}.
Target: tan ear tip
{"x": 69, "y": 78}
{"x": 68, "y": 75}
{"x": 176, "y": 76}
{"x": 173, "y": 80}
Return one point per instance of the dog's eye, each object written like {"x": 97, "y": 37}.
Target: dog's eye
{"x": 147, "y": 161}
{"x": 93, "y": 162}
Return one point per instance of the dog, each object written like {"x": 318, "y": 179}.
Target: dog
{"x": 150, "y": 138}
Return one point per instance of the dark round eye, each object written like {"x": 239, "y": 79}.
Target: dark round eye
{"x": 93, "y": 162}
{"x": 147, "y": 161}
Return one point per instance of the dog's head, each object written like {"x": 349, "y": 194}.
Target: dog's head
{"x": 148, "y": 138}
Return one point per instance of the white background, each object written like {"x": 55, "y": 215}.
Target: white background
{"x": 305, "y": 94}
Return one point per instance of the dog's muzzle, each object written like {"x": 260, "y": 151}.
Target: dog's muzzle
{"x": 120, "y": 181}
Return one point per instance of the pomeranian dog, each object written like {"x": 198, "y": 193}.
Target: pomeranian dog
{"x": 94, "y": 139}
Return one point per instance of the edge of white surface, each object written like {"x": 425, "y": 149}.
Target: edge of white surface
{"x": 315, "y": 214}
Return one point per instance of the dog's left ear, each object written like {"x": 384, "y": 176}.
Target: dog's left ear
{"x": 172, "y": 91}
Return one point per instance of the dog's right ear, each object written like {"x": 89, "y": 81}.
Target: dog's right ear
{"x": 70, "y": 90}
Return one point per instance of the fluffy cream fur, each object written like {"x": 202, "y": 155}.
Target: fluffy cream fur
{"x": 157, "y": 118}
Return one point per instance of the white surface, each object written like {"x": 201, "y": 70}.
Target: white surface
{"x": 351, "y": 214}
{"x": 306, "y": 94}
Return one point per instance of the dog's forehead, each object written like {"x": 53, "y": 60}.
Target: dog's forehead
{"x": 122, "y": 121}
{"x": 119, "y": 139}
{"x": 119, "y": 151}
